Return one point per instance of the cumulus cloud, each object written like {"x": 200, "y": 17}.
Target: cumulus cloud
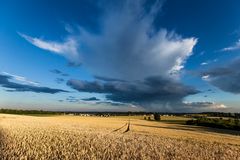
{"x": 225, "y": 78}
{"x": 236, "y": 46}
{"x": 17, "y": 87}
{"x": 132, "y": 60}
{"x": 128, "y": 52}
{"x": 128, "y": 45}
{"x": 67, "y": 48}
{"x": 157, "y": 91}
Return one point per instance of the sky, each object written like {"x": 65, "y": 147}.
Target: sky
{"x": 141, "y": 55}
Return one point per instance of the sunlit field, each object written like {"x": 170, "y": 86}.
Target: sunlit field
{"x": 75, "y": 137}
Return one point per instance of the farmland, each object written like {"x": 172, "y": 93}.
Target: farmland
{"x": 75, "y": 137}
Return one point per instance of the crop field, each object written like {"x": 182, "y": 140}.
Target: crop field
{"x": 75, "y": 137}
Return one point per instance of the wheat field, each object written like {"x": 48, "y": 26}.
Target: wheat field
{"x": 74, "y": 137}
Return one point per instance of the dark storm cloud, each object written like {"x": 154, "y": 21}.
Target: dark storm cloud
{"x": 17, "y": 87}
{"x": 90, "y": 99}
{"x": 151, "y": 90}
{"x": 225, "y": 78}
{"x": 221, "y": 71}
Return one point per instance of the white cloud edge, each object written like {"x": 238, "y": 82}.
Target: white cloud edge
{"x": 234, "y": 47}
{"x": 205, "y": 105}
{"x": 21, "y": 79}
{"x": 68, "y": 48}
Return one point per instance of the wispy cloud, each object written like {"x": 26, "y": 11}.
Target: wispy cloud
{"x": 204, "y": 63}
{"x": 209, "y": 62}
{"x": 68, "y": 48}
{"x": 236, "y": 46}
{"x": 59, "y": 80}
{"x": 5, "y": 81}
{"x": 21, "y": 79}
{"x": 58, "y": 72}
{"x": 205, "y": 77}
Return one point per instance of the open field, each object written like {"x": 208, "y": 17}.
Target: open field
{"x": 73, "y": 137}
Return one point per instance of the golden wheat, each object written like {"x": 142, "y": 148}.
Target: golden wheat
{"x": 68, "y": 137}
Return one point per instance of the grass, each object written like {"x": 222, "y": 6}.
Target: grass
{"x": 74, "y": 137}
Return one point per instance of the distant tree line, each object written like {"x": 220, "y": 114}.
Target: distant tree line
{"x": 222, "y": 114}
{"x": 106, "y": 114}
{"x": 231, "y": 123}
{"x": 26, "y": 112}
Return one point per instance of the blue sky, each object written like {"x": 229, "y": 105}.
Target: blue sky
{"x": 176, "y": 56}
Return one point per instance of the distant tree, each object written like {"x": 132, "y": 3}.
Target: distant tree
{"x": 216, "y": 123}
{"x": 157, "y": 117}
{"x": 236, "y": 121}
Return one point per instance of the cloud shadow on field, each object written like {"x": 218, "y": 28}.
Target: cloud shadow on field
{"x": 198, "y": 129}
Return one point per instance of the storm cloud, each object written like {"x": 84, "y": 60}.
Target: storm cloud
{"x": 128, "y": 45}
{"x": 133, "y": 61}
{"x": 225, "y": 78}
{"x": 5, "y": 81}
{"x": 153, "y": 92}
